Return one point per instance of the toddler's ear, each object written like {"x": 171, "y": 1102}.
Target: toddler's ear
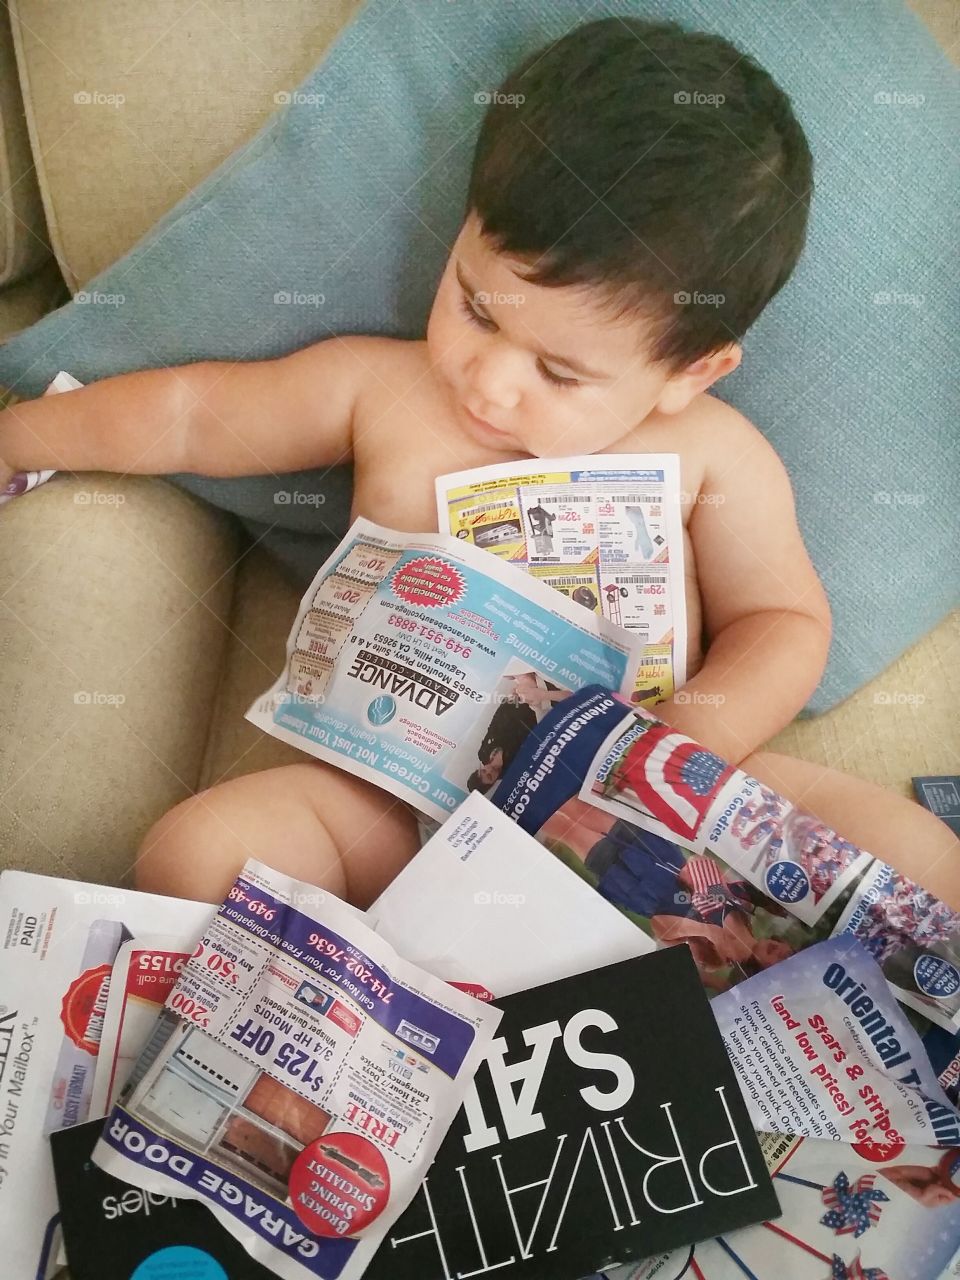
{"x": 679, "y": 390}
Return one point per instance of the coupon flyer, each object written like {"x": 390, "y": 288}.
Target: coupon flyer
{"x": 606, "y": 532}
{"x": 421, "y": 664}
{"x": 650, "y": 775}
{"x": 300, "y": 1080}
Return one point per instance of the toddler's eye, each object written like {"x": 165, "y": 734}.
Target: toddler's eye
{"x": 482, "y": 322}
{"x": 555, "y": 378}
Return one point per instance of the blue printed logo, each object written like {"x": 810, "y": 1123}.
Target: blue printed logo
{"x": 181, "y": 1262}
{"x": 381, "y": 710}
{"x": 936, "y": 977}
{"x": 787, "y": 882}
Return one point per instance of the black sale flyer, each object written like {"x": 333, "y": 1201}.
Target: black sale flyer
{"x": 605, "y": 1123}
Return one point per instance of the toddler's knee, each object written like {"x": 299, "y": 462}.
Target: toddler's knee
{"x": 175, "y": 855}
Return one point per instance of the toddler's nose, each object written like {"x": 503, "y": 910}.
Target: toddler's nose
{"x": 494, "y": 380}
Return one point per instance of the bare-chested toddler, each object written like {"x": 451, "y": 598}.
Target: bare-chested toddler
{"x": 638, "y": 195}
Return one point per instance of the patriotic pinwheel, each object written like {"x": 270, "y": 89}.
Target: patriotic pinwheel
{"x": 854, "y": 1270}
{"x": 852, "y": 1207}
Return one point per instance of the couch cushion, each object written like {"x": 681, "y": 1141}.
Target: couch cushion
{"x": 23, "y": 234}
{"x": 23, "y": 303}
{"x": 264, "y": 607}
{"x": 114, "y": 607}
{"x": 901, "y": 725}
{"x": 355, "y": 188}
{"x": 132, "y": 107}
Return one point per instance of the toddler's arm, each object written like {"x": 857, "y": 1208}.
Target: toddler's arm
{"x": 766, "y": 616}
{"x": 219, "y": 418}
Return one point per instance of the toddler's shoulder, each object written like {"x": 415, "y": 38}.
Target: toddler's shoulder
{"x": 720, "y": 421}
{"x": 386, "y": 356}
{"x": 728, "y": 436}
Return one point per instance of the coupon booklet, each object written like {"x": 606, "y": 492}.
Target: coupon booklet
{"x": 513, "y": 916}
{"x": 605, "y": 531}
{"x": 827, "y": 1063}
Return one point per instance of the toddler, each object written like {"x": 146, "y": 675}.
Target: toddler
{"x": 638, "y": 195}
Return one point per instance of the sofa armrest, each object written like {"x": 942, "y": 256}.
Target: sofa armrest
{"x": 115, "y": 599}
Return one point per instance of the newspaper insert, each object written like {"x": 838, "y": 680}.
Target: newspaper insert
{"x": 605, "y": 531}
{"x": 58, "y": 942}
{"x": 491, "y": 911}
{"x": 300, "y": 1081}
{"x": 697, "y": 851}
{"x": 866, "y": 1152}
{"x": 420, "y": 664}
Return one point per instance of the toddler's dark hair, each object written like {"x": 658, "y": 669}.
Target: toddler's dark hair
{"x": 622, "y": 170}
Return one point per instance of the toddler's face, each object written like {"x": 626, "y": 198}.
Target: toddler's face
{"x": 544, "y": 369}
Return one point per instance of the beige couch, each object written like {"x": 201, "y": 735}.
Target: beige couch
{"x": 134, "y": 632}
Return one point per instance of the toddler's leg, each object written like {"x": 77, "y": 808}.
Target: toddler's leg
{"x": 310, "y": 820}
{"x": 889, "y": 826}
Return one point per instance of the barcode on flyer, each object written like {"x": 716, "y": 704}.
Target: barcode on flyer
{"x": 563, "y": 497}
{"x": 564, "y": 581}
{"x": 643, "y": 579}
{"x": 637, "y": 497}
{"x": 486, "y": 506}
